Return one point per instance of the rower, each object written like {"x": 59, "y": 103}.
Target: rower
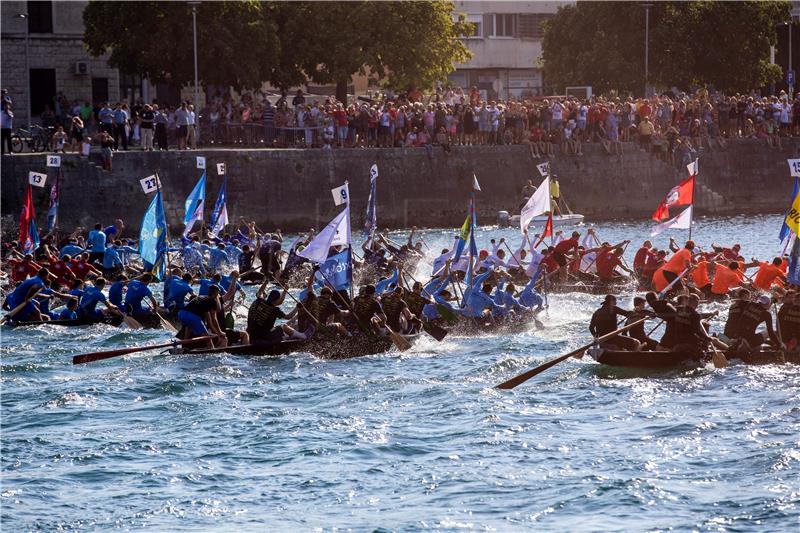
{"x": 91, "y": 297}
{"x": 666, "y": 312}
{"x": 641, "y": 256}
{"x": 565, "y": 252}
{"x": 690, "y": 335}
{"x": 737, "y": 307}
{"x": 608, "y": 261}
{"x": 768, "y": 274}
{"x": 680, "y": 261}
{"x": 70, "y": 312}
{"x": 262, "y": 316}
{"x": 138, "y": 290}
{"x": 637, "y": 332}
{"x": 754, "y": 315}
{"x": 789, "y": 320}
{"x": 480, "y": 304}
{"x": 398, "y": 317}
{"x": 200, "y": 315}
{"x": 179, "y": 289}
{"x": 725, "y": 279}
{"x": 604, "y": 321}
{"x": 25, "y": 292}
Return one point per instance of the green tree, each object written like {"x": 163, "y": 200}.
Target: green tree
{"x": 244, "y": 43}
{"x": 721, "y": 44}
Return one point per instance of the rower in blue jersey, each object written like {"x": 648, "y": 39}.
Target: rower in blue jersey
{"x": 205, "y": 283}
{"x": 116, "y": 290}
{"x": 71, "y": 249}
{"x": 70, "y": 312}
{"x": 481, "y": 305}
{"x": 179, "y": 289}
{"x": 97, "y": 244}
{"x": 138, "y": 290}
{"x": 25, "y": 291}
{"x": 91, "y": 297}
{"x": 112, "y": 262}
{"x": 217, "y": 258}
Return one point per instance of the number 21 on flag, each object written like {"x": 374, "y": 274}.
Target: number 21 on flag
{"x": 794, "y": 167}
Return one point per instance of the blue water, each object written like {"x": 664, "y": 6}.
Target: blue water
{"x": 413, "y": 441}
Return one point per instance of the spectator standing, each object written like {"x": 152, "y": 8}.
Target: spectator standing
{"x": 6, "y": 125}
{"x": 191, "y": 127}
{"x": 269, "y": 123}
{"x": 160, "y": 120}
{"x": 106, "y": 117}
{"x": 182, "y": 124}
{"x": 120, "y": 126}
{"x": 76, "y": 133}
{"x": 146, "y": 126}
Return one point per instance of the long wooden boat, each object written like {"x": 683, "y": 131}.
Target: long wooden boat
{"x": 147, "y": 321}
{"x": 668, "y": 360}
{"x": 340, "y": 348}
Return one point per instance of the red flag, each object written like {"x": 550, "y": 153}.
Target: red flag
{"x": 25, "y": 217}
{"x": 681, "y": 194}
{"x": 548, "y": 230}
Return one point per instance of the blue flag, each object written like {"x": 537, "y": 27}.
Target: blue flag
{"x": 785, "y": 229}
{"x": 194, "y": 204}
{"x": 337, "y": 270}
{"x": 793, "y": 272}
{"x": 52, "y": 213}
{"x": 31, "y": 244}
{"x": 219, "y": 217}
{"x": 384, "y": 284}
{"x": 153, "y": 237}
{"x": 371, "y": 217}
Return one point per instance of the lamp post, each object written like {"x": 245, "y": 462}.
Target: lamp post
{"x": 24, "y": 17}
{"x": 791, "y": 85}
{"x": 646, "y": 46}
{"x": 196, "y": 79}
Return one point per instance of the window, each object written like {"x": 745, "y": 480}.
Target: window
{"x": 476, "y": 21}
{"x": 40, "y": 17}
{"x": 503, "y": 25}
{"x": 99, "y": 90}
{"x": 530, "y": 26}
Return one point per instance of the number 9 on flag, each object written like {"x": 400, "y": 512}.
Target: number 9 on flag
{"x": 341, "y": 195}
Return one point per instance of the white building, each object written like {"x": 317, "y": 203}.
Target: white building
{"x": 506, "y": 47}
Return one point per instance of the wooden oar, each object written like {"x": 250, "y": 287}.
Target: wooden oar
{"x": 131, "y": 322}
{"x": 166, "y": 324}
{"x": 97, "y": 356}
{"x": 718, "y": 358}
{"x": 522, "y": 378}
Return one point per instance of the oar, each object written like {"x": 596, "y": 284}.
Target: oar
{"x": 323, "y": 328}
{"x": 97, "y": 356}
{"x": 671, "y": 284}
{"x": 437, "y": 332}
{"x": 522, "y": 378}
{"x": 166, "y": 324}
{"x": 718, "y": 358}
{"x": 131, "y": 322}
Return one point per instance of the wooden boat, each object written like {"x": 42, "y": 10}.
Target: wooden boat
{"x": 338, "y": 348}
{"x": 671, "y": 360}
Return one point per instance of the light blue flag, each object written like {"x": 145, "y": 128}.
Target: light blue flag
{"x": 219, "y": 217}
{"x": 52, "y": 213}
{"x": 195, "y": 203}
{"x": 31, "y": 244}
{"x": 384, "y": 284}
{"x": 153, "y": 237}
{"x": 785, "y": 230}
{"x": 337, "y": 270}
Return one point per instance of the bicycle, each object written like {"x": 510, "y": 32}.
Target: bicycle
{"x": 37, "y": 138}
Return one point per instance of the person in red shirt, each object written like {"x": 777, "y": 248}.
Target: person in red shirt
{"x": 565, "y": 252}
{"x": 60, "y": 271}
{"x": 653, "y": 262}
{"x": 680, "y": 261}
{"x": 641, "y": 256}
{"x": 768, "y": 273}
{"x": 548, "y": 261}
{"x": 608, "y": 261}
{"x": 24, "y": 268}
{"x": 81, "y": 268}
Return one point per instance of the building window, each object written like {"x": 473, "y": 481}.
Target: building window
{"x": 476, "y": 22}
{"x": 130, "y": 87}
{"x": 99, "y": 91}
{"x": 502, "y": 25}
{"x": 530, "y": 26}
{"x": 40, "y": 17}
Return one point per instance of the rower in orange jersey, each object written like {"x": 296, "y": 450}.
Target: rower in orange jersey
{"x": 726, "y": 278}
{"x": 768, "y": 273}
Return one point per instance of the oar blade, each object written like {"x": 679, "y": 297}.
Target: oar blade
{"x": 719, "y": 359}
{"x": 166, "y": 324}
{"x": 131, "y": 322}
{"x": 437, "y": 332}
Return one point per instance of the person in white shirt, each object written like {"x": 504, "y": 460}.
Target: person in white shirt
{"x": 191, "y": 128}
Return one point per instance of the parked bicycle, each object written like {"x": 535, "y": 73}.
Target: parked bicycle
{"x": 37, "y": 138}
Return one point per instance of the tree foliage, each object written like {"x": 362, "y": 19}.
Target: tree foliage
{"x": 721, "y": 44}
{"x": 244, "y": 43}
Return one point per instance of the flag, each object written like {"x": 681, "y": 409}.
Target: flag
{"x": 337, "y": 270}
{"x": 785, "y": 228}
{"x": 548, "y": 230}
{"x": 384, "y": 284}
{"x": 681, "y": 194}
{"x": 195, "y": 203}
{"x": 682, "y": 221}
{"x": 371, "y": 217}
{"x": 537, "y": 204}
{"x": 793, "y": 272}
{"x": 219, "y": 217}
{"x": 341, "y": 195}
{"x": 693, "y": 168}
{"x": 337, "y": 231}
{"x": 475, "y": 185}
{"x": 52, "y": 212}
{"x": 153, "y": 237}
{"x": 544, "y": 169}
{"x": 150, "y": 183}
{"x": 28, "y": 234}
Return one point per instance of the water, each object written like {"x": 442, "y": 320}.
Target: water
{"x": 412, "y": 441}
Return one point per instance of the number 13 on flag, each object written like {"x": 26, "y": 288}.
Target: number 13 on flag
{"x": 794, "y": 167}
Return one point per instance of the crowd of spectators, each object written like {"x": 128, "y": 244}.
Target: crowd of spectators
{"x": 671, "y": 125}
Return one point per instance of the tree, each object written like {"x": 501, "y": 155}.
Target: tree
{"x": 721, "y": 44}
{"x": 242, "y": 44}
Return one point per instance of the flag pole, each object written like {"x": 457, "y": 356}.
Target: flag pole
{"x": 694, "y": 184}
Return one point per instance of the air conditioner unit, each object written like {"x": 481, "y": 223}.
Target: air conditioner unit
{"x": 80, "y": 68}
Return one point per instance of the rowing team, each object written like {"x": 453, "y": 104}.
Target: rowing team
{"x": 687, "y": 329}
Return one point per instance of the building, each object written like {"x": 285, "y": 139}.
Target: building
{"x": 507, "y": 48}
{"x": 43, "y": 55}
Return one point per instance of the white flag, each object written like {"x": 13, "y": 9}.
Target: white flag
{"x": 538, "y": 203}
{"x": 336, "y": 233}
{"x": 150, "y": 184}
{"x": 373, "y": 172}
{"x": 794, "y": 167}
{"x": 475, "y": 185}
{"x": 693, "y": 168}
{"x": 682, "y": 221}
{"x": 544, "y": 169}
{"x": 37, "y": 179}
{"x": 341, "y": 195}
{"x": 222, "y": 221}
{"x": 201, "y": 162}
{"x": 220, "y": 169}
{"x": 53, "y": 160}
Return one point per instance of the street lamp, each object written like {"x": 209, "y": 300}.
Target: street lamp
{"x": 646, "y": 46}
{"x": 791, "y": 85}
{"x": 194, "y": 5}
{"x": 24, "y": 17}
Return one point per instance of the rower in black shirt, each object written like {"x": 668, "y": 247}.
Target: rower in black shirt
{"x": 690, "y": 334}
{"x": 735, "y": 311}
{"x": 753, "y": 316}
{"x": 199, "y": 317}
{"x": 604, "y": 321}
{"x": 637, "y": 332}
{"x": 789, "y": 320}
{"x": 262, "y": 316}
{"x": 666, "y": 312}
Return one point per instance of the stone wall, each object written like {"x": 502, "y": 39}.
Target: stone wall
{"x": 291, "y": 188}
